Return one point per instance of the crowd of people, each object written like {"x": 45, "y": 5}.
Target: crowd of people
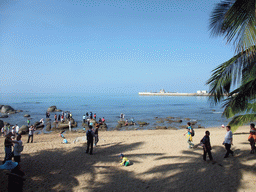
{"x": 228, "y": 141}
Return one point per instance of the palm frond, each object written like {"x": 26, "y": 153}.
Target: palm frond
{"x": 235, "y": 19}
{"x": 241, "y": 100}
{"x": 241, "y": 120}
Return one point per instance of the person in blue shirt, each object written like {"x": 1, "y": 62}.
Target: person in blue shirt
{"x": 189, "y": 136}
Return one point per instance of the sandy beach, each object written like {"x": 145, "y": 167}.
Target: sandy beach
{"x": 161, "y": 161}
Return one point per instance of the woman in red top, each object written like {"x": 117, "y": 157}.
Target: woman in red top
{"x": 252, "y": 138}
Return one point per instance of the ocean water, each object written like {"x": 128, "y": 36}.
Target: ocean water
{"x": 109, "y": 106}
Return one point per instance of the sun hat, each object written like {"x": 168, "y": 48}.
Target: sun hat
{"x": 9, "y": 165}
{"x": 121, "y": 155}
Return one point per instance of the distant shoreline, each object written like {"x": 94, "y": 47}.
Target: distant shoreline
{"x": 174, "y": 94}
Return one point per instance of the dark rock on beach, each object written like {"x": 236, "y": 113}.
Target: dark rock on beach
{"x": 7, "y": 109}
{"x": 187, "y": 119}
{"x": 161, "y": 121}
{"x": 172, "y": 128}
{"x": 51, "y": 109}
{"x": 103, "y": 127}
{"x": 23, "y": 129}
{"x": 48, "y": 126}
{"x": 142, "y": 123}
{"x": 58, "y": 110}
{"x": 26, "y": 115}
{"x": 161, "y": 127}
{"x": 4, "y": 116}
{"x": 18, "y": 111}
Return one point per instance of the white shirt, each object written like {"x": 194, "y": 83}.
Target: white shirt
{"x": 228, "y": 137}
{"x": 16, "y": 153}
{"x": 17, "y": 129}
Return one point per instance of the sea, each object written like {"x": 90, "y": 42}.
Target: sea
{"x": 148, "y": 109}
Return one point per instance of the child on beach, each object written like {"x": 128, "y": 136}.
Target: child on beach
{"x": 228, "y": 141}
{"x": 124, "y": 161}
{"x": 252, "y": 138}
{"x": 206, "y": 145}
{"x": 189, "y": 136}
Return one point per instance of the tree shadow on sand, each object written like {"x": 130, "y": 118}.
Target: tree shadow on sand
{"x": 191, "y": 174}
{"x": 57, "y": 170}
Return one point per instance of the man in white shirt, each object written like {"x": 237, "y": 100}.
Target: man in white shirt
{"x": 228, "y": 141}
{"x": 17, "y": 128}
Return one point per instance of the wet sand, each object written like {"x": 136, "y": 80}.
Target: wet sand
{"x": 161, "y": 161}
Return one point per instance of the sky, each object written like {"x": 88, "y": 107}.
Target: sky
{"x": 105, "y": 46}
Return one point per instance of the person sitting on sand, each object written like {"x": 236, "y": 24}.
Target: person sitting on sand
{"x": 189, "y": 136}
{"x": 252, "y": 138}
{"x": 206, "y": 145}
{"x": 126, "y": 122}
{"x": 124, "y": 161}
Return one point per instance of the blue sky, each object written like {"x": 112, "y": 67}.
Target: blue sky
{"x": 107, "y": 45}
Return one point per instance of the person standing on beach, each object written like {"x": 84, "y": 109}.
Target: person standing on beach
{"x": 8, "y": 147}
{"x": 252, "y": 138}
{"x": 2, "y": 131}
{"x": 89, "y": 135}
{"x": 96, "y": 134}
{"x": 28, "y": 121}
{"x": 228, "y": 141}
{"x": 17, "y": 149}
{"x": 103, "y": 120}
{"x": 94, "y": 116}
{"x": 70, "y": 124}
{"x": 55, "y": 117}
{"x": 189, "y": 135}
{"x": 17, "y": 128}
{"x": 206, "y": 145}
{"x": 84, "y": 119}
{"x": 31, "y": 133}
{"x": 90, "y": 115}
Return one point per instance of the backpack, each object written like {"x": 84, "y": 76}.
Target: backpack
{"x": 20, "y": 148}
{"x": 193, "y": 132}
{"x": 89, "y": 135}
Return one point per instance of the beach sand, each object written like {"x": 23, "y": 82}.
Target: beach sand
{"x": 161, "y": 161}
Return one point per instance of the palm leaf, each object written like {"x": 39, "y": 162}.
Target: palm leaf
{"x": 241, "y": 120}
{"x": 235, "y": 20}
{"x": 228, "y": 75}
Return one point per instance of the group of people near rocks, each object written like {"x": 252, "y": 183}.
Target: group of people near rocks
{"x": 228, "y": 141}
{"x": 89, "y": 117}
{"x": 61, "y": 117}
{"x": 8, "y": 129}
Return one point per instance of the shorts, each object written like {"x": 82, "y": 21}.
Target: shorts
{"x": 17, "y": 159}
{"x": 189, "y": 137}
{"x": 126, "y": 163}
{"x": 252, "y": 137}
